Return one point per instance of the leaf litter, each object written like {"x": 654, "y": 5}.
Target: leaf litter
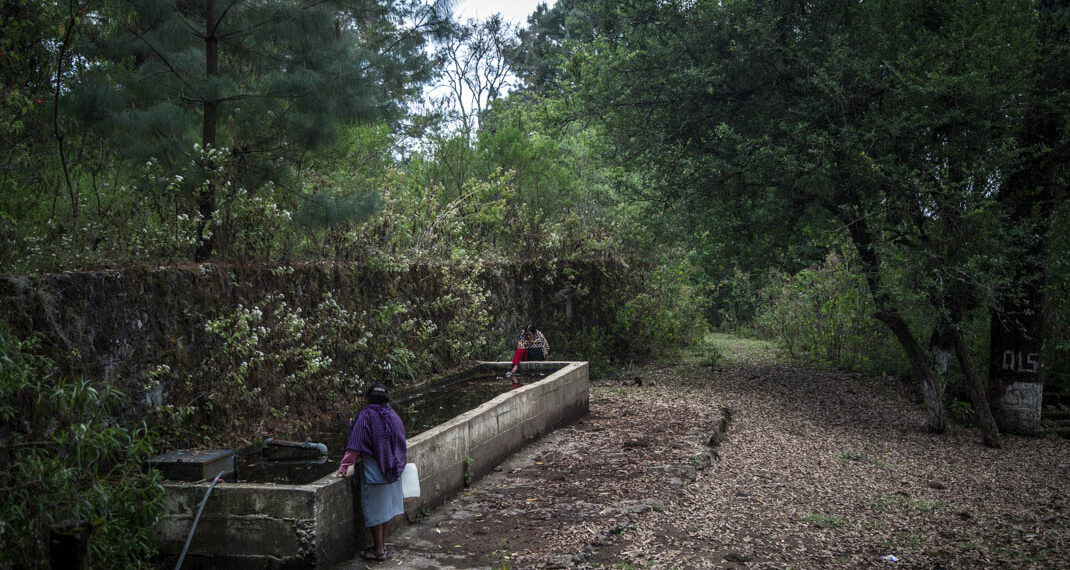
{"x": 819, "y": 469}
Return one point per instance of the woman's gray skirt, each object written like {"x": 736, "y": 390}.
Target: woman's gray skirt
{"x": 380, "y": 501}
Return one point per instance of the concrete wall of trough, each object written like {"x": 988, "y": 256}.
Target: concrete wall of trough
{"x": 246, "y": 525}
{"x": 478, "y": 440}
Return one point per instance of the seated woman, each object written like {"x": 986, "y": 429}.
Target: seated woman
{"x": 532, "y": 346}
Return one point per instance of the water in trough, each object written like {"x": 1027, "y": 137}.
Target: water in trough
{"x": 420, "y": 408}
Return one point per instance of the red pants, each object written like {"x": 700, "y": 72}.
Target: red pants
{"x": 520, "y": 355}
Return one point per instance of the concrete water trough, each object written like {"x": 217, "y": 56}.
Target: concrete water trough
{"x": 315, "y": 525}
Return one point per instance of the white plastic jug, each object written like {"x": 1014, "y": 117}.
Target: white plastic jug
{"x": 410, "y": 481}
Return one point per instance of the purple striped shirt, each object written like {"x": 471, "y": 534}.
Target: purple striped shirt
{"x": 378, "y": 432}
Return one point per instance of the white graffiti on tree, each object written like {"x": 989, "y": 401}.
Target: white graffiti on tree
{"x": 1013, "y": 360}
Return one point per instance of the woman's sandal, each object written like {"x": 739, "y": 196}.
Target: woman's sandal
{"x": 370, "y": 554}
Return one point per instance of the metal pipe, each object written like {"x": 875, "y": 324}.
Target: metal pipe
{"x": 319, "y": 447}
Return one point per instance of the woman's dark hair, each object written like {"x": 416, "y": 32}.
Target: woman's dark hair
{"x": 377, "y": 394}
{"x": 531, "y": 329}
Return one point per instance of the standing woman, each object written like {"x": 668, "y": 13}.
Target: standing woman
{"x": 532, "y": 346}
{"x": 377, "y": 439}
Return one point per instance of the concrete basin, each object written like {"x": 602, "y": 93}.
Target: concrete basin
{"x": 251, "y": 525}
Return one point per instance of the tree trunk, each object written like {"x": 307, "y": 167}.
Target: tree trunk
{"x": 57, "y": 92}
{"x": 976, "y": 385}
{"x": 887, "y": 314}
{"x": 206, "y": 198}
{"x": 941, "y": 349}
{"x": 1030, "y": 197}
{"x": 919, "y": 365}
{"x": 1016, "y": 361}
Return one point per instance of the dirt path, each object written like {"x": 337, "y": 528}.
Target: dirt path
{"x": 820, "y": 469}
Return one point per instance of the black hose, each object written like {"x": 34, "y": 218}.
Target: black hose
{"x": 197, "y": 519}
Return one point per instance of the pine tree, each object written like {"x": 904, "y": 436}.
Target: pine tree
{"x": 243, "y": 87}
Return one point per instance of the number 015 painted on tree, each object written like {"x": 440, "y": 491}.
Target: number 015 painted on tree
{"x": 1013, "y": 361}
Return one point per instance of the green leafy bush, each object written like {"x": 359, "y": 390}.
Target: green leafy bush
{"x": 1057, "y": 355}
{"x": 300, "y": 345}
{"x": 661, "y": 314}
{"x": 64, "y": 454}
{"x": 824, "y": 313}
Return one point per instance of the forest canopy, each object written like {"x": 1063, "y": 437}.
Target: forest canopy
{"x": 919, "y": 147}
{"x": 879, "y": 186}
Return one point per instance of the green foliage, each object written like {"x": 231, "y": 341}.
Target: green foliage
{"x": 741, "y": 351}
{"x": 731, "y": 300}
{"x": 268, "y": 355}
{"x": 65, "y": 454}
{"x": 158, "y": 221}
{"x": 534, "y": 187}
{"x": 774, "y": 125}
{"x": 150, "y": 217}
{"x": 290, "y": 363}
{"x": 822, "y": 520}
{"x": 824, "y": 313}
{"x": 1058, "y": 347}
{"x": 962, "y": 412}
{"x": 274, "y": 361}
{"x": 541, "y": 58}
{"x": 661, "y": 317}
{"x": 502, "y": 556}
{"x": 24, "y": 77}
{"x": 107, "y": 90}
{"x": 530, "y": 200}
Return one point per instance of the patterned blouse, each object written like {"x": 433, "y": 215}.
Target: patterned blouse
{"x": 538, "y": 342}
